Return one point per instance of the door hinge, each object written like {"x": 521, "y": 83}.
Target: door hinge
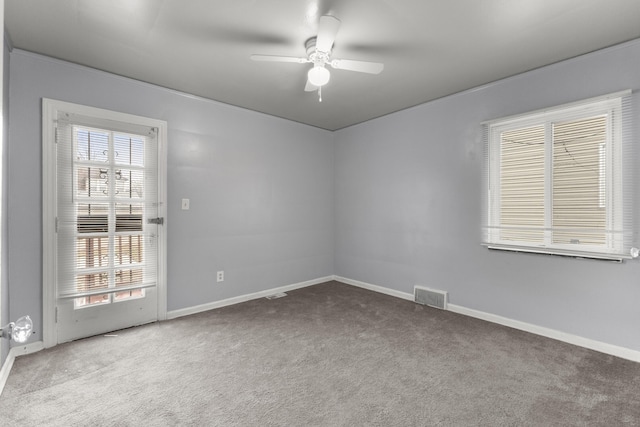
{"x": 159, "y": 221}
{"x": 56, "y": 224}
{"x": 56, "y": 314}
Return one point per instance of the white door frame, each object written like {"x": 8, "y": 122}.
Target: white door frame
{"x": 50, "y": 109}
{"x": 3, "y": 144}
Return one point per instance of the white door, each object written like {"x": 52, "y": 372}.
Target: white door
{"x": 107, "y": 226}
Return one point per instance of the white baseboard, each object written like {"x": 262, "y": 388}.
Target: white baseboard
{"x": 375, "y": 288}
{"x": 243, "y": 298}
{"x": 11, "y": 357}
{"x": 602, "y": 347}
{"x": 614, "y": 350}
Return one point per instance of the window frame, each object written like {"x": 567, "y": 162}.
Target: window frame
{"x": 616, "y": 246}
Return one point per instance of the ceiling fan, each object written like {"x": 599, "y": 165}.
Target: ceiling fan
{"x": 319, "y": 54}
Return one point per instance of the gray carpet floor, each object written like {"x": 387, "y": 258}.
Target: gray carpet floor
{"x": 326, "y": 355}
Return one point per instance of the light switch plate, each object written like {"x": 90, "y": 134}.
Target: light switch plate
{"x": 185, "y": 204}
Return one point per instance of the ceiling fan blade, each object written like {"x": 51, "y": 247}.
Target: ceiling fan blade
{"x": 274, "y": 58}
{"x": 309, "y": 87}
{"x": 327, "y": 30}
{"x": 359, "y": 66}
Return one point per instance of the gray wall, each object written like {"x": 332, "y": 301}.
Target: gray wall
{"x": 408, "y": 207}
{"x": 402, "y": 197}
{"x": 261, "y": 188}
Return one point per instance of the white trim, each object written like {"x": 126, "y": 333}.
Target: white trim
{"x": 559, "y": 252}
{"x": 49, "y": 114}
{"x": 614, "y": 350}
{"x": 162, "y": 139}
{"x": 244, "y": 298}
{"x": 3, "y": 144}
{"x": 602, "y": 347}
{"x": 534, "y": 115}
{"x": 13, "y": 353}
{"x": 376, "y": 288}
{"x": 6, "y": 370}
{"x": 50, "y": 110}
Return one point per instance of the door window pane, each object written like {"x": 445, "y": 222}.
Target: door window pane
{"x": 128, "y": 149}
{"x": 128, "y": 217}
{"x": 92, "y": 145}
{"x": 108, "y": 169}
{"x": 92, "y": 181}
{"x": 92, "y": 252}
{"x": 129, "y": 183}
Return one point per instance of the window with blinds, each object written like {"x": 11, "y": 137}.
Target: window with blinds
{"x": 562, "y": 180}
{"x": 97, "y": 200}
{"x": 105, "y": 248}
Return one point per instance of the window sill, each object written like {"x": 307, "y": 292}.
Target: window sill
{"x": 559, "y": 252}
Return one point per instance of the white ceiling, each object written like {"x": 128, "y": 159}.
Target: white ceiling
{"x": 430, "y": 48}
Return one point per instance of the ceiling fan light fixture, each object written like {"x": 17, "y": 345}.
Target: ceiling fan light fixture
{"x": 319, "y": 54}
{"x": 319, "y": 75}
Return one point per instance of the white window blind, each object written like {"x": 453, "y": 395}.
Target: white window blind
{"x": 106, "y": 248}
{"x": 563, "y": 180}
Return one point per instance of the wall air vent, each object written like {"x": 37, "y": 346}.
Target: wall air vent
{"x": 430, "y": 297}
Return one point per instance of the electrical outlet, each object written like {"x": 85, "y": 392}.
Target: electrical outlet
{"x": 220, "y": 276}
{"x": 185, "y": 204}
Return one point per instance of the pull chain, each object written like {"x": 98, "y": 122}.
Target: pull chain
{"x": 320, "y": 94}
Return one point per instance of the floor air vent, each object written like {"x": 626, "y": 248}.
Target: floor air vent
{"x": 276, "y": 296}
{"x": 430, "y": 297}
